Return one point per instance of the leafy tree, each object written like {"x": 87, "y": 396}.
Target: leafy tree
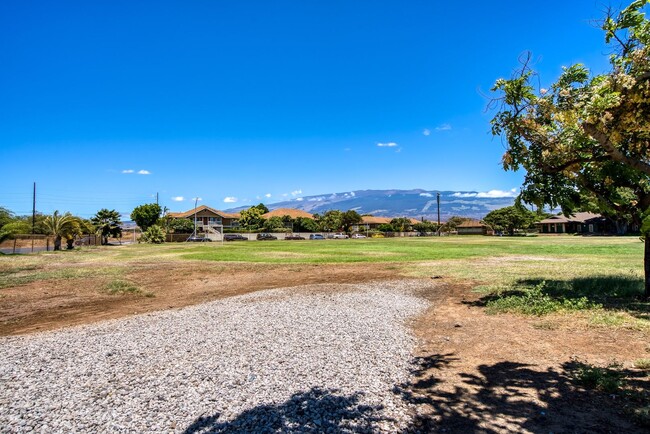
{"x": 452, "y": 223}
{"x": 251, "y": 218}
{"x": 14, "y": 228}
{"x": 586, "y": 137}
{"x": 275, "y": 224}
{"x": 262, "y": 208}
{"x": 6, "y": 216}
{"x": 350, "y": 218}
{"x": 181, "y": 226}
{"x": 330, "y": 221}
{"x": 107, "y": 223}
{"x": 153, "y": 235}
{"x": 146, "y": 215}
{"x": 304, "y": 224}
{"x": 386, "y": 227}
{"x": 510, "y": 218}
{"x": 401, "y": 224}
{"x": 62, "y": 226}
{"x": 425, "y": 226}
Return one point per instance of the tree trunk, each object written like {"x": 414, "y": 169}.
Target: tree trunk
{"x": 57, "y": 243}
{"x": 646, "y": 267}
{"x": 70, "y": 243}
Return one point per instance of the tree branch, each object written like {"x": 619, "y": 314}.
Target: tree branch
{"x": 613, "y": 152}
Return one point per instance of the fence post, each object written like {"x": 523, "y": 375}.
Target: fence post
{"x": 47, "y": 244}
{"x": 14, "y": 246}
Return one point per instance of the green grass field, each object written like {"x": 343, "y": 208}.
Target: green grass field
{"x": 533, "y": 275}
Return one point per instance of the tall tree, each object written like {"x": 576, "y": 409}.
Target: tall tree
{"x": 350, "y": 218}
{"x": 251, "y": 218}
{"x": 107, "y": 223}
{"x": 401, "y": 224}
{"x": 510, "y": 218}
{"x": 146, "y": 215}
{"x": 332, "y": 220}
{"x": 586, "y": 137}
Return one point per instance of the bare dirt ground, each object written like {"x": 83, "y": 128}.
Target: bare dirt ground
{"x": 474, "y": 372}
{"x": 56, "y": 303}
{"x": 506, "y": 373}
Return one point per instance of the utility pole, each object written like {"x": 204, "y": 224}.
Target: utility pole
{"x": 196, "y": 201}
{"x": 438, "y": 200}
{"x": 156, "y": 198}
{"x": 33, "y": 215}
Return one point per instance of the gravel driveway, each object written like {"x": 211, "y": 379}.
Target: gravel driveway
{"x": 309, "y": 359}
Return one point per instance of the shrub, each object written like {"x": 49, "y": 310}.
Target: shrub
{"x": 643, "y": 364}
{"x": 121, "y": 287}
{"x": 608, "y": 380}
{"x": 153, "y": 235}
{"x": 535, "y": 301}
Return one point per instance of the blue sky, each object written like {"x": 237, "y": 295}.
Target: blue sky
{"x": 105, "y": 104}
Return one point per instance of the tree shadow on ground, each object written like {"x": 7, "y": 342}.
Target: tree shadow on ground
{"x": 315, "y": 411}
{"x": 622, "y": 293}
{"x": 509, "y": 397}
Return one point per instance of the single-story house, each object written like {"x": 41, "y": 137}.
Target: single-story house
{"x": 580, "y": 222}
{"x": 208, "y": 219}
{"x": 474, "y": 227}
{"x": 291, "y": 212}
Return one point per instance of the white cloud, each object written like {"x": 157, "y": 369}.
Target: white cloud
{"x": 443, "y": 127}
{"x": 492, "y": 194}
{"x": 144, "y": 172}
{"x": 426, "y": 132}
{"x": 299, "y": 199}
{"x": 296, "y": 192}
{"x": 230, "y": 199}
{"x": 267, "y": 195}
{"x": 426, "y": 195}
{"x": 458, "y": 194}
{"x": 387, "y": 145}
{"x": 128, "y": 171}
{"x": 498, "y": 193}
{"x": 178, "y": 198}
{"x": 352, "y": 194}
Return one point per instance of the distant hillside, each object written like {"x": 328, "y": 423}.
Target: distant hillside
{"x": 402, "y": 203}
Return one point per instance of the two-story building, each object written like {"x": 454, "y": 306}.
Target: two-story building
{"x": 209, "y": 220}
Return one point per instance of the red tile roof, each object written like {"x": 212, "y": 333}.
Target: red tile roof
{"x": 291, "y": 212}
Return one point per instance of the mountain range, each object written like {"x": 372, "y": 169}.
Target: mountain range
{"x": 415, "y": 203}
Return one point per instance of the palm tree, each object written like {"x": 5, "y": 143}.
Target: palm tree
{"x": 61, "y": 226}
{"x": 107, "y": 223}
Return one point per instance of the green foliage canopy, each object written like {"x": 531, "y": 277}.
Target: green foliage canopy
{"x": 146, "y": 215}
{"x": 585, "y": 137}
{"x": 251, "y": 218}
{"x": 510, "y": 218}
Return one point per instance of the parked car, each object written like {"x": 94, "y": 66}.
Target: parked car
{"x": 316, "y": 237}
{"x": 196, "y": 239}
{"x": 234, "y": 237}
{"x": 266, "y": 237}
{"x": 358, "y": 236}
{"x": 293, "y": 237}
{"x": 340, "y": 236}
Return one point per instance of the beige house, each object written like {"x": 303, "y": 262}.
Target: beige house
{"x": 580, "y": 222}
{"x": 209, "y": 220}
{"x": 474, "y": 227}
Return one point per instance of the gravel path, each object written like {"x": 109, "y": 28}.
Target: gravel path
{"x": 288, "y": 360}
